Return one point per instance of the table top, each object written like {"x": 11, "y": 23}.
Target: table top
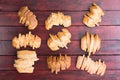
{"x": 108, "y": 31}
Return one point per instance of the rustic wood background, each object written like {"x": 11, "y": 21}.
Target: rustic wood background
{"x": 109, "y": 31}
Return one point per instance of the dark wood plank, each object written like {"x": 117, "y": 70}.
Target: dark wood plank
{"x": 105, "y": 32}
{"x": 108, "y": 31}
{"x": 74, "y": 5}
{"x": 6, "y": 62}
{"x": 107, "y": 48}
{"x": 64, "y": 75}
{"x": 11, "y": 18}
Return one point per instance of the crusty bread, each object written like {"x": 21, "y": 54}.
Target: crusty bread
{"x": 90, "y": 43}
{"x": 57, "y": 63}
{"x": 27, "y": 17}
{"x": 59, "y": 40}
{"x": 93, "y": 18}
{"x": 25, "y": 61}
{"x": 25, "y": 40}
{"x": 57, "y": 19}
{"x": 92, "y": 67}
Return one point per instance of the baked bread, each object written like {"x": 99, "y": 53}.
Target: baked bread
{"x": 57, "y": 63}
{"x": 93, "y": 17}
{"x": 92, "y": 67}
{"x": 29, "y": 39}
{"x": 59, "y": 40}
{"x": 57, "y": 19}
{"x": 90, "y": 43}
{"x": 25, "y": 61}
{"x": 27, "y": 17}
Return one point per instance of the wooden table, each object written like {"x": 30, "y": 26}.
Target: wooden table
{"x": 109, "y": 31}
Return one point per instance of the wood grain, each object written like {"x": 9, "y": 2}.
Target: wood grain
{"x": 43, "y": 5}
{"x": 107, "y": 48}
{"x": 112, "y": 62}
{"x": 11, "y": 18}
{"x": 105, "y": 32}
{"x": 71, "y": 75}
{"x": 109, "y": 31}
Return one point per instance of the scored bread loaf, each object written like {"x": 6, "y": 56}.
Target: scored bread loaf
{"x": 57, "y": 63}
{"x": 25, "y": 40}
{"x": 27, "y": 17}
{"x": 93, "y": 18}
{"x": 57, "y": 19}
{"x": 25, "y": 61}
{"x": 90, "y": 43}
{"x": 59, "y": 40}
{"x": 92, "y": 67}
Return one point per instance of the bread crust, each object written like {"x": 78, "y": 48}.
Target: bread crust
{"x": 93, "y": 17}
{"x": 58, "y": 63}
{"x": 57, "y": 19}
{"x": 27, "y": 18}
{"x": 90, "y": 43}
{"x": 60, "y": 40}
{"x": 92, "y": 67}
{"x": 25, "y": 40}
{"x": 25, "y": 61}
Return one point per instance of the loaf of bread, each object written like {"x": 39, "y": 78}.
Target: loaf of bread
{"x": 25, "y": 40}
{"x": 90, "y": 43}
{"x": 59, "y": 40}
{"x": 93, "y": 18}
{"x": 27, "y": 17}
{"x": 57, "y": 19}
{"x": 25, "y": 61}
{"x": 92, "y": 67}
{"x": 57, "y": 63}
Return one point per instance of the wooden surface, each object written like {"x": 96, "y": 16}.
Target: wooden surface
{"x": 109, "y": 31}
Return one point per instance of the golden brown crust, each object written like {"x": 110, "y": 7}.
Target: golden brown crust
{"x": 26, "y": 54}
{"x": 88, "y": 21}
{"x": 93, "y": 18}
{"x": 25, "y": 61}
{"x": 27, "y": 17}
{"x": 103, "y": 70}
{"x": 84, "y": 43}
{"x": 92, "y": 67}
{"x": 25, "y": 70}
{"x": 57, "y": 63}
{"x": 92, "y": 40}
{"x": 90, "y": 43}
{"x": 29, "y": 39}
{"x": 88, "y": 40}
{"x": 57, "y": 19}
{"x": 59, "y": 40}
